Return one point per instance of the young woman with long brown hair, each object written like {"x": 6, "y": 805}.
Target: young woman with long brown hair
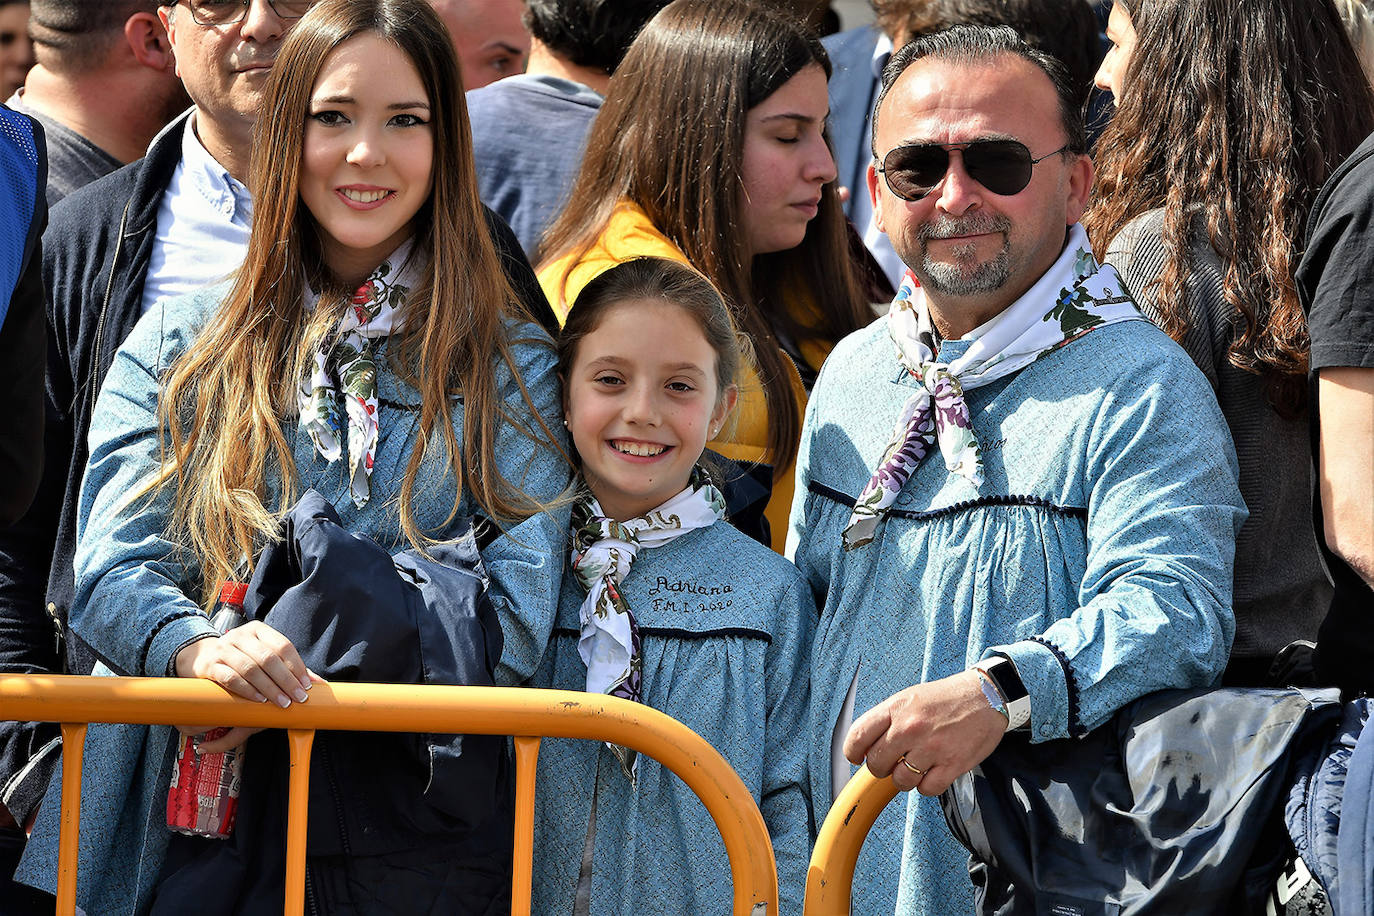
{"x": 710, "y": 149}
{"x": 371, "y": 350}
{"x": 1229, "y": 117}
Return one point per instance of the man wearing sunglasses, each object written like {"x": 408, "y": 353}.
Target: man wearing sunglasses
{"x": 1017, "y": 500}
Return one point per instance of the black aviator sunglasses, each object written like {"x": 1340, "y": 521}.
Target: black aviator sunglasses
{"x": 228, "y": 12}
{"x": 1002, "y": 166}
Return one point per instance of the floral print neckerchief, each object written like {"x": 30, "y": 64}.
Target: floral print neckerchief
{"x": 1080, "y": 294}
{"x": 345, "y": 369}
{"x": 602, "y": 552}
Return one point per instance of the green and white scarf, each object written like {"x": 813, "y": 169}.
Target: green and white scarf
{"x": 346, "y": 371}
{"x": 602, "y": 553}
{"x": 1074, "y": 296}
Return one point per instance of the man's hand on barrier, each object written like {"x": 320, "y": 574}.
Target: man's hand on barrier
{"x": 928, "y": 735}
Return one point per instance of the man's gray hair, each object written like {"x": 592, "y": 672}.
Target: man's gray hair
{"x": 981, "y": 44}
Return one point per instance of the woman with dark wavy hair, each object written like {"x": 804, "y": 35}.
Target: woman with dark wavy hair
{"x": 710, "y": 149}
{"x": 1229, "y": 118}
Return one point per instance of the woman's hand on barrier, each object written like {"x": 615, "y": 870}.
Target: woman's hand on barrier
{"x": 252, "y": 661}
{"x": 231, "y": 738}
{"x": 928, "y": 735}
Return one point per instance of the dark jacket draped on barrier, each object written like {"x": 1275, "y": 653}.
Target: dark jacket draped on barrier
{"x": 440, "y": 804}
{"x": 1186, "y": 801}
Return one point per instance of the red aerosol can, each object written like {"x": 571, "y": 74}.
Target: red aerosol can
{"x": 204, "y": 795}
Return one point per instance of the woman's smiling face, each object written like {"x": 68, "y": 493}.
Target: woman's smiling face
{"x": 367, "y": 166}
{"x": 641, "y": 401}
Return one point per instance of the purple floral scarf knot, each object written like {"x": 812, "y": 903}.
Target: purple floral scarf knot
{"x": 1075, "y": 296}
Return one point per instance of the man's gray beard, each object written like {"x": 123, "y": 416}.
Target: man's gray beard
{"x": 955, "y": 280}
{"x": 960, "y": 278}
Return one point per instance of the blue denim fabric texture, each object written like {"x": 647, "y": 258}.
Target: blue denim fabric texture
{"x": 1281, "y": 590}
{"x": 726, "y": 626}
{"x": 1097, "y": 555}
{"x": 135, "y": 592}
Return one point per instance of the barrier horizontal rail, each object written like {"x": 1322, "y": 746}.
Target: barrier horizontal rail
{"x": 525, "y": 713}
{"x": 830, "y": 875}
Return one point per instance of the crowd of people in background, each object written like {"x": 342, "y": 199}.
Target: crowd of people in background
{"x": 938, "y": 396}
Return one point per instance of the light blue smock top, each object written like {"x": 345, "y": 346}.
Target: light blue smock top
{"x": 136, "y": 592}
{"x": 726, "y": 627}
{"x": 1097, "y": 554}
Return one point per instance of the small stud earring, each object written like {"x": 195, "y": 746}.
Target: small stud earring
{"x": 565, "y": 424}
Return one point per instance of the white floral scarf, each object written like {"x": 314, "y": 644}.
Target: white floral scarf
{"x": 602, "y": 552}
{"x": 346, "y": 371}
{"x": 1074, "y": 296}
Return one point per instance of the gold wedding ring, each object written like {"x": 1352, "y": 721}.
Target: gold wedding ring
{"x": 917, "y": 770}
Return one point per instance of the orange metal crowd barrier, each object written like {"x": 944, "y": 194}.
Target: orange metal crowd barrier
{"x": 830, "y": 876}
{"x": 527, "y": 714}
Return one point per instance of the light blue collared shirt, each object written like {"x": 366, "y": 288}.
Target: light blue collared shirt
{"x": 202, "y": 225}
{"x": 861, "y": 205}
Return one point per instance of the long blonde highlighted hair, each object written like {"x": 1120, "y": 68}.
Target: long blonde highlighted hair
{"x": 223, "y": 402}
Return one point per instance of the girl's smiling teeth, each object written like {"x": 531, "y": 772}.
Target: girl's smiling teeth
{"x": 638, "y": 449}
{"x": 364, "y": 197}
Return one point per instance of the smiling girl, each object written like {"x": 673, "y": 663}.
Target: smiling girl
{"x": 369, "y": 349}
{"x": 710, "y": 149}
{"x": 665, "y": 604}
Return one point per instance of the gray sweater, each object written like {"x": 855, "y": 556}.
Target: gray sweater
{"x": 1281, "y": 591}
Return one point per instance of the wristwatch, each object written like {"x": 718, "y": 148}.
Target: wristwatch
{"x": 1002, "y": 673}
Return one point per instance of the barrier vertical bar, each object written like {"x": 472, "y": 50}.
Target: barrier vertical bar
{"x": 69, "y": 840}
{"x": 526, "y": 757}
{"x": 300, "y": 741}
{"x": 830, "y": 876}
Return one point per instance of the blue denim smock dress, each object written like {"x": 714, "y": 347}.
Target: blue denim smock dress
{"x": 726, "y": 626}
{"x": 132, "y": 585}
{"x": 1097, "y": 554}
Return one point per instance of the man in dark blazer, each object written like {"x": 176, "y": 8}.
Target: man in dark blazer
{"x": 857, "y": 58}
